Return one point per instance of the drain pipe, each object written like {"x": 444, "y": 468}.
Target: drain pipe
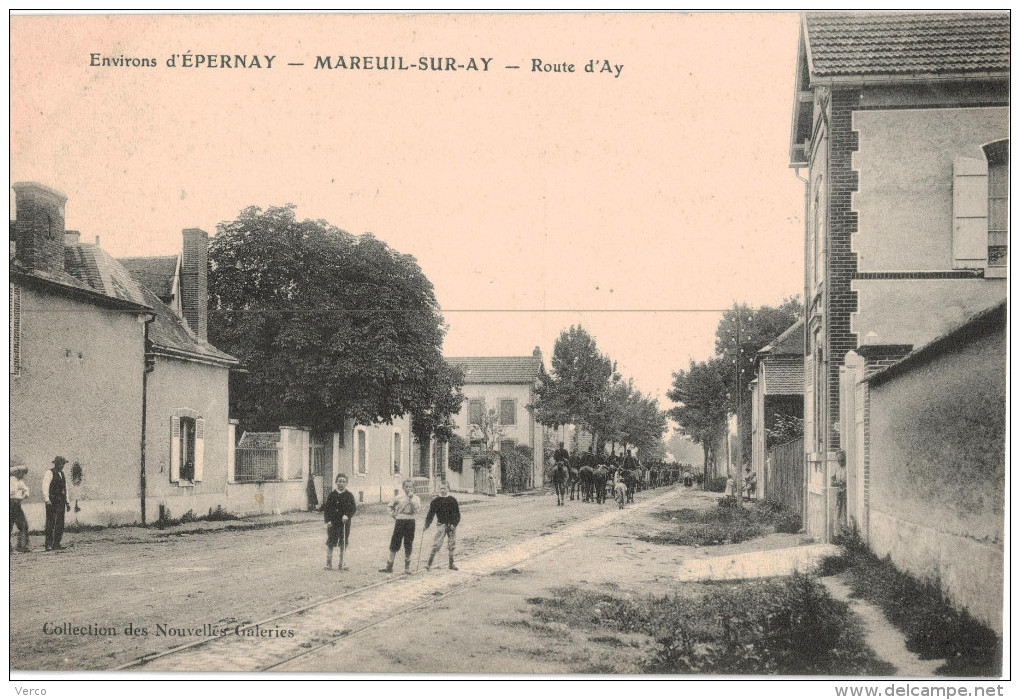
{"x": 806, "y": 468}
{"x": 149, "y": 366}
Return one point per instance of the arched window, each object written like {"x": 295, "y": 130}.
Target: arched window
{"x": 997, "y": 154}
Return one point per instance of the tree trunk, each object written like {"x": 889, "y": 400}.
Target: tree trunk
{"x": 704, "y": 480}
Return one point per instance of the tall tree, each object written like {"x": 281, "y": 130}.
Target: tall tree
{"x": 576, "y": 388}
{"x": 741, "y": 333}
{"x": 327, "y": 325}
{"x": 700, "y": 395}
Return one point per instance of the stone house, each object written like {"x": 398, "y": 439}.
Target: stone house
{"x": 900, "y": 123}
{"x": 116, "y": 377}
{"x": 507, "y": 386}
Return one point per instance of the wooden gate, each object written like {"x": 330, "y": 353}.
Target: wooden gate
{"x": 784, "y": 475}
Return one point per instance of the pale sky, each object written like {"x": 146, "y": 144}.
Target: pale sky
{"x": 664, "y": 188}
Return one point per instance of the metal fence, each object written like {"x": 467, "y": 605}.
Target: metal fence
{"x": 784, "y": 474}
{"x": 254, "y": 464}
{"x": 422, "y": 485}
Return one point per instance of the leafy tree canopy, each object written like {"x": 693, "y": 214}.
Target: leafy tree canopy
{"x": 574, "y": 391}
{"x": 700, "y": 395}
{"x": 327, "y": 325}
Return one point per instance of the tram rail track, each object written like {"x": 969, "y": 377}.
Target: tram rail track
{"x": 364, "y": 607}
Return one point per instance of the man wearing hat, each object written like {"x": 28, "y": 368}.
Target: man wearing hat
{"x": 19, "y": 492}
{"x": 54, "y": 487}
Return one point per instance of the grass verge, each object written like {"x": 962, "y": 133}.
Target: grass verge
{"x": 933, "y": 627}
{"x": 781, "y": 626}
{"x": 730, "y": 522}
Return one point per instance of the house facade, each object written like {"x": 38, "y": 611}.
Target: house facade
{"x": 900, "y": 124}
{"x": 377, "y": 459}
{"x": 505, "y": 385}
{"x": 107, "y": 375}
{"x": 777, "y": 410}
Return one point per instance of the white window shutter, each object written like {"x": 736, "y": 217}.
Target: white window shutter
{"x": 15, "y": 349}
{"x": 199, "y": 447}
{"x": 970, "y": 213}
{"x": 175, "y": 448}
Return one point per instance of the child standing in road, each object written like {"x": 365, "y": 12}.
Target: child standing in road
{"x": 403, "y": 509}
{"x": 447, "y": 514}
{"x": 338, "y": 510}
{"x": 620, "y": 491}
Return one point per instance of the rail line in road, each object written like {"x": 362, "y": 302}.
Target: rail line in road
{"x": 257, "y": 647}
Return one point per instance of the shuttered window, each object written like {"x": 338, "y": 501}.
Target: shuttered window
{"x": 508, "y": 412}
{"x": 476, "y": 410}
{"x": 398, "y": 451}
{"x": 970, "y": 213}
{"x": 360, "y": 451}
{"x": 15, "y": 331}
{"x": 187, "y": 448}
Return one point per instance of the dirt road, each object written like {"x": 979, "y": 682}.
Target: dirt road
{"x": 85, "y": 608}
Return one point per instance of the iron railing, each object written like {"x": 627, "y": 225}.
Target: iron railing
{"x": 255, "y": 464}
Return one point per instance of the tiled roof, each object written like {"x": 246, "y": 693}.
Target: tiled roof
{"x": 92, "y": 265}
{"x": 784, "y": 375}
{"x": 848, "y": 44}
{"x": 789, "y": 342}
{"x": 156, "y": 273}
{"x": 168, "y": 331}
{"x": 498, "y": 370}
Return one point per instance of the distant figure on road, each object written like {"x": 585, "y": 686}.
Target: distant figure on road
{"x": 404, "y": 508}
{"x": 447, "y": 514}
{"x": 19, "y": 492}
{"x": 561, "y": 454}
{"x": 54, "y": 487}
{"x": 731, "y": 487}
{"x": 750, "y": 483}
{"x": 337, "y": 511}
{"x": 688, "y": 479}
{"x": 620, "y": 492}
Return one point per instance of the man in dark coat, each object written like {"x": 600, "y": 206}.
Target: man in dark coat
{"x": 446, "y": 511}
{"x": 55, "y": 492}
{"x": 561, "y": 454}
{"x": 337, "y": 511}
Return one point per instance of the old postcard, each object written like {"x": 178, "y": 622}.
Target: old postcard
{"x": 620, "y": 344}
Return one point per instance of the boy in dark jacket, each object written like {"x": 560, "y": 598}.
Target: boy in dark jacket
{"x": 445, "y": 510}
{"x": 338, "y": 510}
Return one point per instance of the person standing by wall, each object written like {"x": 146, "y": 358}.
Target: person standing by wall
{"x": 338, "y": 511}
{"x": 19, "y": 492}
{"x": 404, "y": 508}
{"x": 446, "y": 511}
{"x": 54, "y": 487}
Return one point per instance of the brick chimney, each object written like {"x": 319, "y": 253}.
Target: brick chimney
{"x": 39, "y": 226}
{"x": 195, "y": 280}
{"x": 72, "y": 237}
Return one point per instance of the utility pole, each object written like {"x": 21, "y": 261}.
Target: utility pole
{"x": 738, "y": 336}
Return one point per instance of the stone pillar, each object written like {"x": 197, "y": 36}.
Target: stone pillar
{"x": 231, "y": 445}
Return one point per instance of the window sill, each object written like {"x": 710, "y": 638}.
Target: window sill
{"x": 265, "y": 481}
